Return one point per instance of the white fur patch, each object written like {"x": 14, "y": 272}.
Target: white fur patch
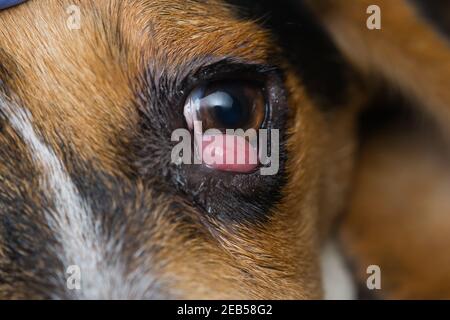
{"x": 103, "y": 276}
{"x": 337, "y": 280}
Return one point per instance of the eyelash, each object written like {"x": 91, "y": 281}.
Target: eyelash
{"x": 226, "y": 70}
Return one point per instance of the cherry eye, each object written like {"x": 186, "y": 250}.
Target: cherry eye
{"x": 226, "y": 105}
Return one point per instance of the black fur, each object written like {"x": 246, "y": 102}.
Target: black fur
{"x": 29, "y": 247}
{"x": 325, "y": 73}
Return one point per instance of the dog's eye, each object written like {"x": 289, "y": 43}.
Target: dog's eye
{"x": 226, "y": 105}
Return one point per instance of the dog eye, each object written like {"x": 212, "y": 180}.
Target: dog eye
{"x": 226, "y": 105}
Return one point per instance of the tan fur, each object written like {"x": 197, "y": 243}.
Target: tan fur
{"x": 399, "y": 214}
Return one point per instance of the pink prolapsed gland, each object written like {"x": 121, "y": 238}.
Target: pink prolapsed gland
{"x": 229, "y": 153}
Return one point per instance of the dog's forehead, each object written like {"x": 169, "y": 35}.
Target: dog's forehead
{"x": 184, "y": 30}
{"x": 76, "y": 65}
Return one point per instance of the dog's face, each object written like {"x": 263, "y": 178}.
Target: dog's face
{"x": 86, "y": 177}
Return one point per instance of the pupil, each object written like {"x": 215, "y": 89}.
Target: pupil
{"x": 230, "y": 111}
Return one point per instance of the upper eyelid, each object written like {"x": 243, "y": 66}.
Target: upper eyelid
{"x": 227, "y": 69}
{"x": 185, "y": 77}
{"x": 231, "y": 66}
